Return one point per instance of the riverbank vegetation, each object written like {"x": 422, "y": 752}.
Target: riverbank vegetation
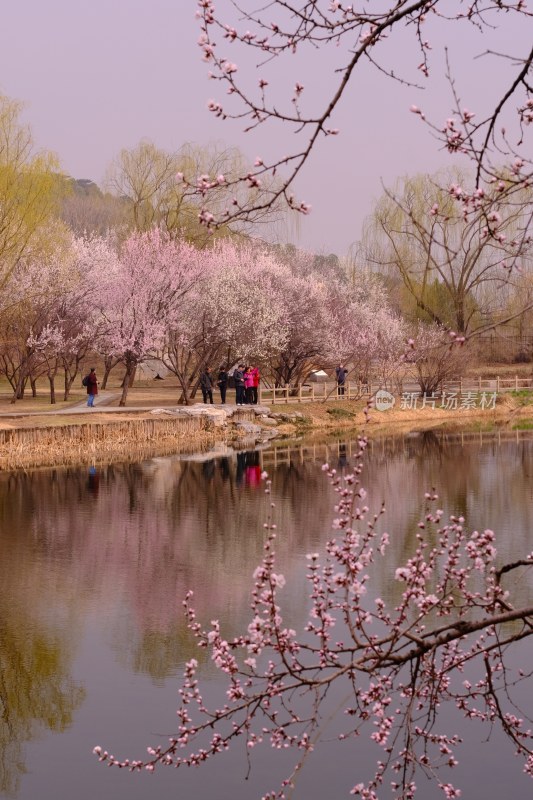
{"x": 38, "y": 440}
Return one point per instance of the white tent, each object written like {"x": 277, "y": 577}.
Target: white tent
{"x": 151, "y": 368}
{"x": 318, "y": 376}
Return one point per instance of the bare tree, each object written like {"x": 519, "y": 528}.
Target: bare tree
{"x": 88, "y": 211}
{"x": 146, "y": 180}
{"x": 459, "y": 269}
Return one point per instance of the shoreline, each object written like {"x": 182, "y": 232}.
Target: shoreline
{"x": 35, "y": 441}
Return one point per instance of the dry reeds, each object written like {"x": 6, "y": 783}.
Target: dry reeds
{"x": 99, "y": 442}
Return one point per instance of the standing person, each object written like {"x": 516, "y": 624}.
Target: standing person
{"x": 249, "y": 385}
{"x": 341, "y": 373}
{"x": 206, "y": 383}
{"x": 238, "y": 377}
{"x": 222, "y": 382}
{"x": 92, "y": 387}
{"x": 255, "y": 385}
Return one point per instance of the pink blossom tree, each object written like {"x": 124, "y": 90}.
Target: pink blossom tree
{"x": 190, "y": 344}
{"x": 94, "y": 261}
{"x": 246, "y": 293}
{"x": 307, "y": 311}
{"x": 73, "y": 328}
{"x": 33, "y": 305}
{"x": 365, "y": 334}
{"x": 46, "y": 347}
{"x": 141, "y": 296}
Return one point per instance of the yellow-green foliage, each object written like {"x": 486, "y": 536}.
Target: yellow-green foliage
{"x": 29, "y": 193}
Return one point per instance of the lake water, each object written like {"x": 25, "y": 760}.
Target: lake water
{"x": 94, "y": 565}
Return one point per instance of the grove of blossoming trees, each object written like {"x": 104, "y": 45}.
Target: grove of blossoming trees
{"x": 155, "y": 296}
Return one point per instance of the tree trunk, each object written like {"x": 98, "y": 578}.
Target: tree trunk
{"x": 51, "y": 381}
{"x": 33, "y": 384}
{"x": 183, "y": 399}
{"x": 130, "y": 369}
{"x": 109, "y": 364}
{"x": 68, "y": 386}
{"x": 18, "y": 394}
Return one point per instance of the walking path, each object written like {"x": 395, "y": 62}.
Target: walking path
{"x": 102, "y": 400}
{"x": 79, "y": 408}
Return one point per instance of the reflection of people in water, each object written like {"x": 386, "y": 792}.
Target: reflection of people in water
{"x": 248, "y": 468}
{"x": 208, "y": 469}
{"x": 252, "y": 474}
{"x": 93, "y": 483}
{"x": 241, "y": 465}
{"x": 224, "y": 468}
{"x": 343, "y": 461}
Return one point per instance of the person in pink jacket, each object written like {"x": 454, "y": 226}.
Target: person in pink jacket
{"x": 255, "y": 384}
{"x": 249, "y": 384}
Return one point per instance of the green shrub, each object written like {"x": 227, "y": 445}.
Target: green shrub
{"x": 524, "y": 396}
{"x": 340, "y": 413}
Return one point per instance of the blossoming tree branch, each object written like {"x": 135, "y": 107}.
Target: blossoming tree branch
{"x": 287, "y": 33}
{"x": 445, "y": 638}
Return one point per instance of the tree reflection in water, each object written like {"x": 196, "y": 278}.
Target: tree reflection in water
{"x": 36, "y": 690}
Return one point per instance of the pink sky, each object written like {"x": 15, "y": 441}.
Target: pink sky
{"x": 96, "y": 77}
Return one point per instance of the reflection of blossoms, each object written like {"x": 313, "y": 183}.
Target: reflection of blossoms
{"x": 394, "y": 662}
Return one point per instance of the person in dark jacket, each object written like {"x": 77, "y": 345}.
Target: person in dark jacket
{"x": 206, "y": 384}
{"x": 238, "y": 377}
{"x": 222, "y": 382}
{"x": 92, "y": 387}
{"x": 341, "y": 373}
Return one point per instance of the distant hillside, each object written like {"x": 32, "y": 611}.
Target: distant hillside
{"x": 87, "y": 209}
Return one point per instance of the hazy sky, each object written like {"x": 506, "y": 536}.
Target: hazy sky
{"x": 101, "y": 75}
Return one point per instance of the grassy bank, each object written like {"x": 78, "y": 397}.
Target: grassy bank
{"x": 512, "y": 409}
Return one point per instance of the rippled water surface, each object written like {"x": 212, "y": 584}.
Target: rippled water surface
{"x": 94, "y": 565}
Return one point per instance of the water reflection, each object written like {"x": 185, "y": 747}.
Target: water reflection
{"x": 38, "y": 641}
{"x": 116, "y": 549}
{"x": 93, "y": 482}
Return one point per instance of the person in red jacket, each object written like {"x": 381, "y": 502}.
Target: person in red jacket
{"x": 92, "y": 387}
